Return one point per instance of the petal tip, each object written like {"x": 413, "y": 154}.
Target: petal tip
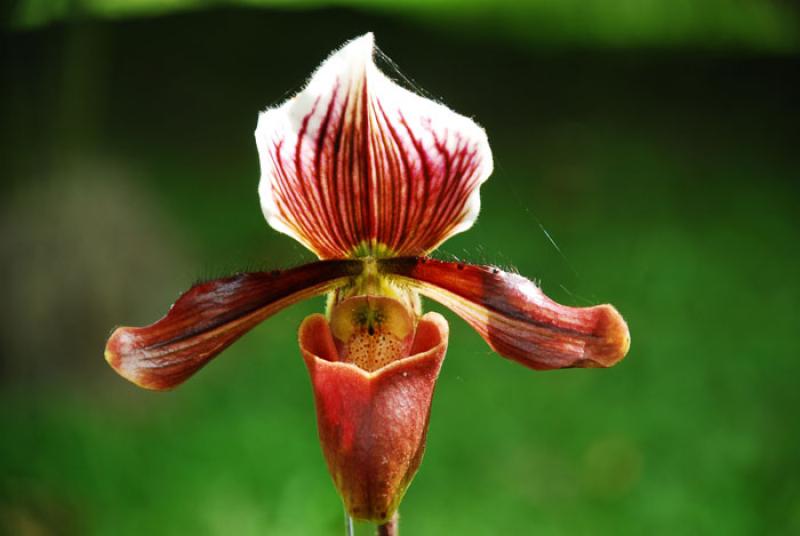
{"x": 353, "y": 56}
{"x": 110, "y": 354}
{"x": 613, "y": 339}
{"x": 117, "y": 355}
{"x": 364, "y": 42}
{"x": 121, "y": 355}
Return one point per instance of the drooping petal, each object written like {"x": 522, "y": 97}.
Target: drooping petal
{"x": 356, "y": 165}
{"x": 515, "y": 317}
{"x": 373, "y": 425}
{"x": 210, "y": 316}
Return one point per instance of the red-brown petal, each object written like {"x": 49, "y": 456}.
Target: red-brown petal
{"x": 515, "y": 317}
{"x": 372, "y": 426}
{"x": 210, "y": 316}
{"x": 357, "y": 164}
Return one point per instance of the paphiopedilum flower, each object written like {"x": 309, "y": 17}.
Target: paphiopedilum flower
{"x": 370, "y": 177}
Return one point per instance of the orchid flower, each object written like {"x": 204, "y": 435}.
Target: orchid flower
{"x": 371, "y": 178}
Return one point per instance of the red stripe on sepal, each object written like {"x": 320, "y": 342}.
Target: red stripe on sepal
{"x": 357, "y": 165}
{"x": 210, "y": 316}
{"x": 515, "y": 317}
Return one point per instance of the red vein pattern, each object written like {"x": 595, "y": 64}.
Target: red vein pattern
{"x": 515, "y": 317}
{"x": 355, "y": 164}
{"x": 210, "y": 316}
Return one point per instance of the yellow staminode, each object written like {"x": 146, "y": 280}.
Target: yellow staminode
{"x": 372, "y": 331}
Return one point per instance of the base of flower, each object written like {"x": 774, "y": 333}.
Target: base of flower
{"x": 391, "y": 528}
{"x": 372, "y": 249}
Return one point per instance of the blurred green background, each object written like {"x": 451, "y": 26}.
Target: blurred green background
{"x": 656, "y": 142}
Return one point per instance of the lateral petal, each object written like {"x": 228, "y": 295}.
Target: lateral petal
{"x": 210, "y": 316}
{"x": 357, "y": 165}
{"x": 515, "y": 317}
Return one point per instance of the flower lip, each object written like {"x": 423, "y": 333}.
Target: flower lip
{"x": 373, "y": 425}
{"x": 318, "y": 346}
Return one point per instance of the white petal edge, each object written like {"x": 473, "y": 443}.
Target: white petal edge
{"x": 347, "y": 66}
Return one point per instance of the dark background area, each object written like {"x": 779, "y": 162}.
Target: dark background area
{"x": 666, "y": 174}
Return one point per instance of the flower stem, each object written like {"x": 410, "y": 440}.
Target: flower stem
{"x": 348, "y": 525}
{"x": 391, "y": 528}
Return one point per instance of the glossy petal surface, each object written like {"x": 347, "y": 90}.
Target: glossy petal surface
{"x": 210, "y": 316}
{"x": 515, "y": 317}
{"x": 372, "y": 425}
{"x": 355, "y": 164}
